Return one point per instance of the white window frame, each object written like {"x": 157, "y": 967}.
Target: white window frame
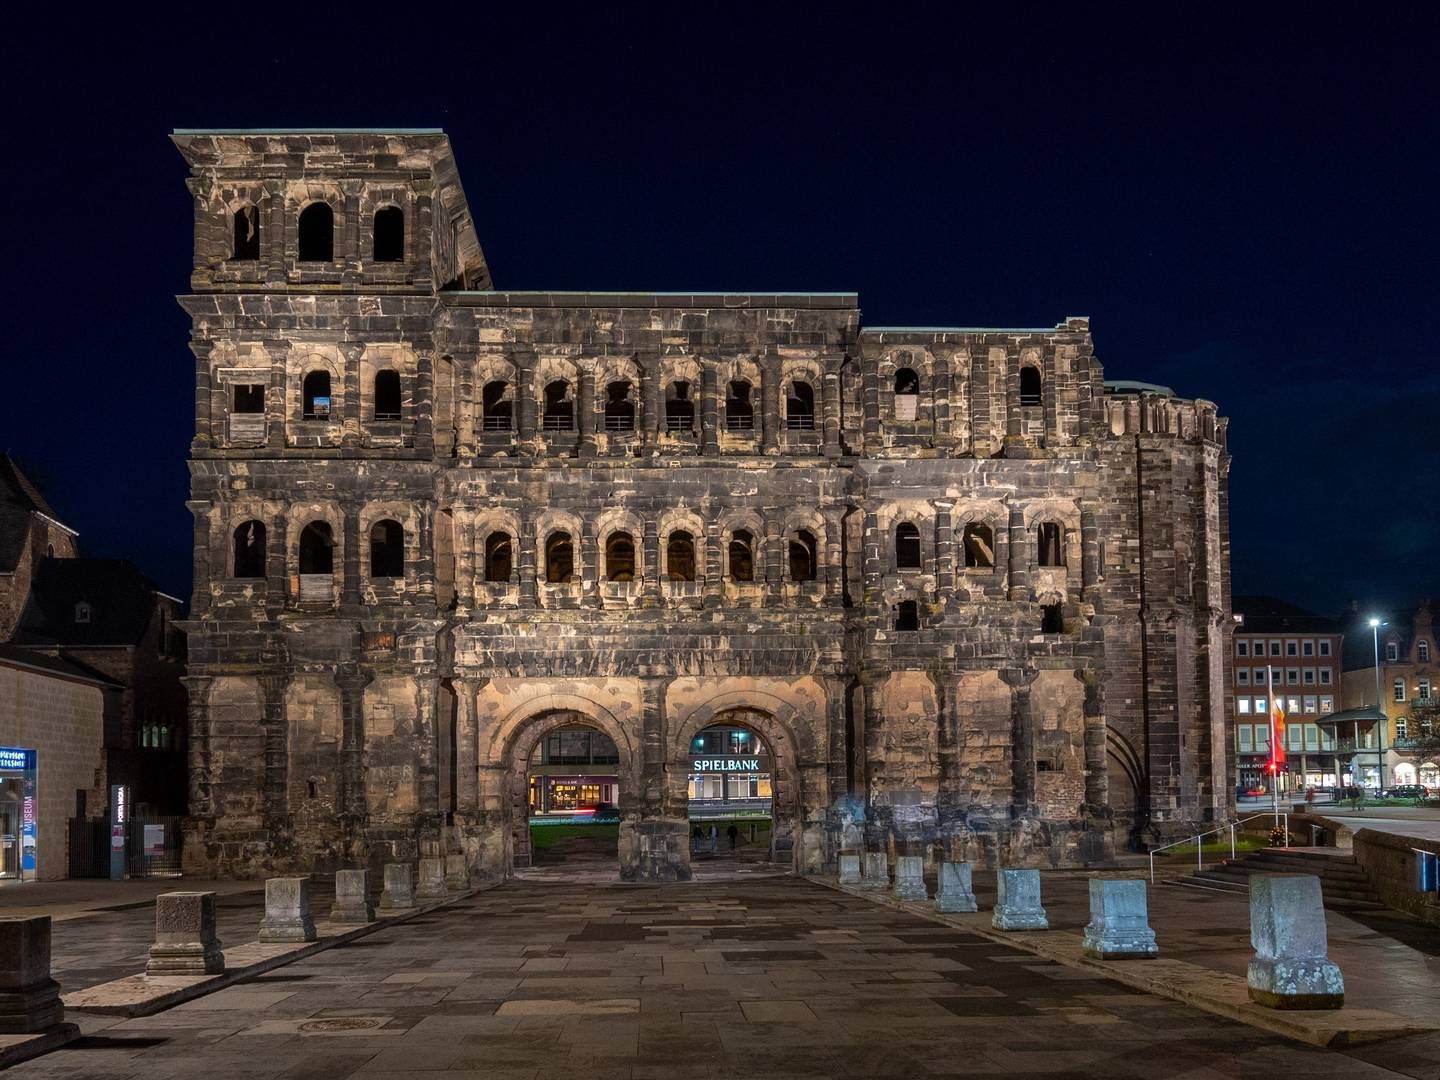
{"x": 1422, "y": 651}
{"x": 1324, "y": 646}
{"x": 1307, "y": 647}
{"x": 1308, "y": 676}
{"x": 1392, "y": 652}
{"x": 1397, "y": 689}
{"x": 1312, "y": 703}
{"x": 1242, "y": 676}
{"x": 1327, "y": 704}
{"x": 1242, "y": 706}
{"x": 1292, "y": 676}
{"x": 1242, "y": 647}
{"x": 1325, "y": 676}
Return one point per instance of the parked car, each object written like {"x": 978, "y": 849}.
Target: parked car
{"x": 1406, "y": 791}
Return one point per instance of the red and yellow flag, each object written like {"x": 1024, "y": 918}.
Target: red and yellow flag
{"x": 1277, "y": 733}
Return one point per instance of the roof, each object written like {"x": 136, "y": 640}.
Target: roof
{"x": 121, "y": 599}
{"x": 1267, "y": 615}
{"x": 1130, "y": 386}
{"x": 20, "y": 500}
{"x": 1362, "y": 713}
{"x": 17, "y": 657}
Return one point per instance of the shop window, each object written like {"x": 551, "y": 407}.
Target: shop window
{"x": 907, "y": 546}
{"x": 800, "y": 407}
{"x": 316, "y": 393}
{"x": 979, "y": 544}
{"x": 559, "y": 559}
{"x": 742, "y": 557}
{"x": 317, "y": 233}
{"x": 1052, "y": 619}
{"x": 387, "y": 395}
{"x": 559, "y": 412}
{"x": 1050, "y": 544}
{"x": 680, "y": 556}
{"x": 498, "y": 558}
{"x": 803, "y": 556}
{"x": 907, "y": 615}
{"x": 247, "y": 234}
{"x": 679, "y": 409}
{"x": 739, "y": 413}
{"x": 495, "y": 413}
{"x": 619, "y": 408}
{"x": 249, "y": 550}
{"x": 247, "y": 398}
{"x": 390, "y": 234}
{"x": 1030, "y": 394}
{"x": 620, "y": 557}
{"x": 317, "y": 549}
{"x": 387, "y": 550}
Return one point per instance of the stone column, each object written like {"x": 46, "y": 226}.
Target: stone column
{"x": 1017, "y": 902}
{"x": 773, "y": 554}
{"x": 650, "y": 591}
{"x": 200, "y": 585}
{"x": 836, "y": 711}
{"x": 420, "y": 264}
{"x": 944, "y": 436}
{"x": 834, "y": 555}
{"x": 1097, "y": 775}
{"x": 351, "y": 419}
{"x": 1019, "y": 552}
{"x": 528, "y": 555}
{"x": 464, "y": 562}
{"x": 1022, "y": 751}
{"x": 956, "y": 893}
{"x": 651, "y": 392}
{"x": 351, "y": 254}
{"x": 29, "y": 997}
{"x": 1291, "y": 968}
{"x": 870, "y": 395}
{"x": 204, "y": 438}
{"x": 589, "y": 555}
{"x": 277, "y": 403}
{"x": 273, "y": 243}
{"x": 287, "y": 910}
{"x": 1089, "y": 550}
{"x": 467, "y": 745}
{"x": 1119, "y": 927}
{"x": 399, "y": 890}
{"x": 352, "y": 898}
{"x": 277, "y": 745}
{"x": 350, "y": 586}
{"x": 197, "y": 723}
{"x": 277, "y": 569}
{"x": 352, "y": 802}
{"x": 709, "y": 407}
{"x": 185, "y": 941}
{"x": 425, "y": 405}
{"x": 873, "y": 565}
{"x": 585, "y": 407}
{"x": 944, "y": 551}
{"x": 714, "y": 564}
{"x": 465, "y": 410}
{"x": 525, "y": 395}
{"x": 830, "y": 396}
{"x": 428, "y": 750}
{"x": 201, "y": 189}
{"x": 770, "y": 403}
{"x": 425, "y": 559}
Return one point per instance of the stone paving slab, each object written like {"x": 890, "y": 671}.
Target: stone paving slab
{"x": 17, "y": 1048}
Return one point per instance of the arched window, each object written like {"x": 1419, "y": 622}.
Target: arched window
{"x": 387, "y": 395}
{"x": 907, "y": 615}
{"x": 317, "y": 233}
{"x": 316, "y": 392}
{"x": 390, "y": 234}
{"x": 249, "y": 560}
{"x": 979, "y": 544}
{"x": 1422, "y": 651}
{"x": 1050, "y": 544}
{"x": 317, "y": 549}
{"x": 559, "y": 414}
{"x": 907, "y": 394}
{"x": 247, "y": 234}
{"x": 800, "y": 407}
{"x": 559, "y": 558}
{"x": 495, "y": 411}
{"x": 679, "y": 409}
{"x": 907, "y": 546}
{"x": 1030, "y": 386}
{"x": 680, "y": 556}
{"x": 620, "y": 557}
{"x": 498, "y": 559}
{"x": 802, "y": 556}
{"x": 742, "y": 557}
{"x": 619, "y": 408}
{"x": 387, "y": 550}
{"x": 739, "y": 413}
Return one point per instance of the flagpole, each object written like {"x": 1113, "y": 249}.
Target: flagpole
{"x": 1274, "y": 759}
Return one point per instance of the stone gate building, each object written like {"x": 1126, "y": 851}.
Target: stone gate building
{"x": 965, "y": 592}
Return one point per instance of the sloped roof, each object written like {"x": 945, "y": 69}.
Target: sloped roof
{"x": 1267, "y": 615}
{"x": 121, "y": 599}
{"x": 15, "y": 656}
{"x": 19, "y": 499}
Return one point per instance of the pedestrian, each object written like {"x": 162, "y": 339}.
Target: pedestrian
{"x": 714, "y": 839}
{"x": 695, "y": 840}
{"x": 734, "y": 834}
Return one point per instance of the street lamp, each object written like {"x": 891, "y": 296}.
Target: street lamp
{"x": 1375, "y": 625}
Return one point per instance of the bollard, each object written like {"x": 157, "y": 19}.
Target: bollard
{"x": 876, "y": 874}
{"x": 352, "y": 898}
{"x": 910, "y": 878}
{"x": 1119, "y": 927}
{"x": 432, "y": 879}
{"x": 29, "y": 997}
{"x": 457, "y": 873}
{"x": 287, "y": 910}
{"x": 850, "y": 870}
{"x": 1017, "y": 906}
{"x": 185, "y": 941}
{"x": 956, "y": 891}
{"x": 1287, "y": 928}
{"x": 399, "y": 894}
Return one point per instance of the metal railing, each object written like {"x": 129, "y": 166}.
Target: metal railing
{"x": 1199, "y": 848}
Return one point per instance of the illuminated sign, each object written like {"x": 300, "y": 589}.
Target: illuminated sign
{"x": 14, "y": 758}
{"x": 742, "y": 764}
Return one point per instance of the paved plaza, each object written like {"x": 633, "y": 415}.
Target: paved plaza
{"x": 766, "y": 977}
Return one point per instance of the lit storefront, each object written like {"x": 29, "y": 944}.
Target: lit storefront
{"x": 729, "y": 775}
{"x": 18, "y": 824}
{"x": 572, "y": 774}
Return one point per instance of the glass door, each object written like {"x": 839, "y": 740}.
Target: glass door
{"x": 10, "y": 805}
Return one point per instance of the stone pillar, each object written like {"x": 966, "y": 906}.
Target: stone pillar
{"x": 277, "y": 570}
{"x": 770, "y": 403}
{"x": 650, "y": 589}
{"x": 528, "y": 556}
{"x": 1017, "y": 906}
{"x": 1089, "y": 551}
{"x": 588, "y": 553}
{"x": 432, "y": 879}
{"x": 709, "y": 407}
{"x": 351, "y": 418}
{"x": 274, "y": 212}
{"x": 830, "y": 396}
{"x": 714, "y": 564}
{"x": 350, "y": 254}
{"x": 525, "y": 394}
{"x": 834, "y": 556}
{"x": 277, "y": 402}
{"x": 457, "y": 873}
{"x": 1022, "y": 742}
{"x": 870, "y": 404}
{"x": 872, "y": 565}
{"x": 773, "y": 554}
{"x": 910, "y": 878}
{"x": 427, "y": 732}
{"x": 651, "y": 408}
{"x": 464, "y": 562}
{"x": 467, "y": 746}
{"x": 185, "y": 941}
{"x": 352, "y": 802}
{"x": 350, "y": 588}
{"x": 1119, "y": 927}
{"x": 287, "y": 910}
{"x": 352, "y": 898}
{"x": 875, "y": 873}
{"x": 1097, "y": 774}
{"x": 1291, "y": 968}
{"x": 944, "y": 551}
{"x": 956, "y": 893}
{"x": 465, "y": 410}
{"x": 425, "y": 405}
{"x": 1019, "y": 552}
{"x": 943, "y": 437}
{"x": 399, "y": 894}
{"x": 425, "y": 559}
{"x": 836, "y": 711}
{"x": 850, "y": 870}
{"x": 200, "y": 585}
{"x": 197, "y": 723}
{"x": 585, "y": 407}
{"x": 204, "y": 437}
{"x": 29, "y": 997}
{"x": 277, "y": 745}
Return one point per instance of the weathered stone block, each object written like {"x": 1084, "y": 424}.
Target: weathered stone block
{"x": 876, "y": 874}
{"x": 185, "y": 941}
{"x": 432, "y": 880}
{"x": 457, "y": 873}
{"x": 29, "y": 997}
{"x": 287, "y": 910}
{"x": 399, "y": 892}
{"x": 1017, "y": 906}
{"x": 1119, "y": 926}
{"x": 910, "y": 878}
{"x": 352, "y": 898}
{"x": 956, "y": 893}
{"x": 850, "y": 870}
{"x": 1291, "y": 968}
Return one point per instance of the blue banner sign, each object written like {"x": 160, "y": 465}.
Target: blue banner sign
{"x": 14, "y": 758}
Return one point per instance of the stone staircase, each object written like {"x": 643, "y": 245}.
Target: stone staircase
{"x": 1342, "y": 881}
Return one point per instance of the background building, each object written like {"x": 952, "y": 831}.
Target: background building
{"x": 963, "y": 591}
{"x": 1408, "y": 678}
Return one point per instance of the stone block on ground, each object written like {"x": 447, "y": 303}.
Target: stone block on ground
{"x": 352, "y": 898}
{"x": 1119, "y": 926}
{"x": 287, "y": 910}
{"x": 1017, "y": 904}
{"x": 1291, "y": 968}
{"x": 185, "y": 941}
{"x": 399, "y": 892}
{"x": 850, "y": 870}
{"x": 457, "y": 873}
{"x": 431, "y": 885}
{"x": 956, "y": 893}
{"x": 876, "y": 872}
{"x": 910, "y": 878}
{"x": 29, "y": 997}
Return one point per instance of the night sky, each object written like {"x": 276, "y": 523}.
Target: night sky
{"x": 1245, "y": 206}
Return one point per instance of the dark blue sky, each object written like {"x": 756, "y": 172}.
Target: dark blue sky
{"x": 1245, "y": 205}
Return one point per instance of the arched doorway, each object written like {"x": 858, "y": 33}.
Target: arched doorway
{"x": 572, "y": 797}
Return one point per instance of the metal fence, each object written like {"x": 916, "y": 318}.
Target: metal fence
{"x": 152, "y": 847}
